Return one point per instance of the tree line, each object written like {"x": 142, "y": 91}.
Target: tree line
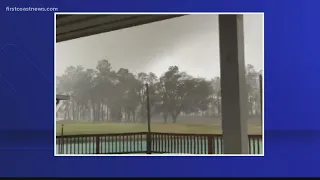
{"x": 103, "y": 94}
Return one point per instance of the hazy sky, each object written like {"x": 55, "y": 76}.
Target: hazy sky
{"x": 190, "y": 42}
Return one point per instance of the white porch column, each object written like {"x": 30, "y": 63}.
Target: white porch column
{"x": 234, "y": 97}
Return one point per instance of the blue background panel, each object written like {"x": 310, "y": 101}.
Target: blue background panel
{"x": 292, "y": 97}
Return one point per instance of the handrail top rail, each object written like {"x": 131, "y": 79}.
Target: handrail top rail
{"x": 145, "y": 133}
{"x": 193, "y": 134}
{"x": 95, "y": 135}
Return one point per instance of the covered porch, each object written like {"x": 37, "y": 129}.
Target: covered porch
{"x": 232, "y": 65}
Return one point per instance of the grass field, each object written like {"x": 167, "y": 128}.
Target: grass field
{"x": 84, "y": 127}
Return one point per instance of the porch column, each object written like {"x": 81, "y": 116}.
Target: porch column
{"x": 234, "y": 97}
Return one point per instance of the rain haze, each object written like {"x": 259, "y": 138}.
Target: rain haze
{"x": 190, "y": 42}
{"x": 166, "y": 73}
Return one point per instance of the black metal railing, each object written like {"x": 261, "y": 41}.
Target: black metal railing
{"x": 129, "y": 143}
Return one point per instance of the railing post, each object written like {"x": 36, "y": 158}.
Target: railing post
{"x": 97, "y": 144}
{"x": 61, "y": 129}
{"x": 62, "y": 141}
{"x": 149, "y": 143}
{"x": 210, "y": 144}
{"x": 149, "y": 140}
{"x": 261, "y": 97}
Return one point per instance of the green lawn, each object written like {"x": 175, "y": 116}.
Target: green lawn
{"x": 78, "y": 127}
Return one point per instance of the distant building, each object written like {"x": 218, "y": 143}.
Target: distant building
{"x": 61, "y": 97}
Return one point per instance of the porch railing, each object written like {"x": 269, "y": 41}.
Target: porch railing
{"x": 129, "y": 143}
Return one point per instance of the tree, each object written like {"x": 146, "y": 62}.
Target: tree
{"x": 108, "y": 94}
{"x": 103, "y": 94}
{"x": 150, "y": 79}
{"x": 215, "y": 104}
{"x": 128, "y": 86}
{"x": 180, "y": 92}
{"x": 252, "y": 77}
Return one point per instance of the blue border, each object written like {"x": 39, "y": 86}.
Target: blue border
{"x": 291, "y": 94}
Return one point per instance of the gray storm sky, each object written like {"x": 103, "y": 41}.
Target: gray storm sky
{"x": 190, "y": 42}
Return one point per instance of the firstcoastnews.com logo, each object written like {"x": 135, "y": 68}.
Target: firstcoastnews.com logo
{"x": 31, "y": 9}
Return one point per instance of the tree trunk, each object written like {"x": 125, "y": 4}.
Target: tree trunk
{"x": 107, "y": 113}
{"x": 94, "y": 109}
{"x": 101, "y": 112}
{"x": 115, "y": 114}
{"x": 134, "y": 116}
{"x": 165, "y": 117}
{"x": 174, "y": 118}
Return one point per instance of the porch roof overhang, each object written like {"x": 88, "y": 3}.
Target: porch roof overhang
{"x": 70, "y": 27}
